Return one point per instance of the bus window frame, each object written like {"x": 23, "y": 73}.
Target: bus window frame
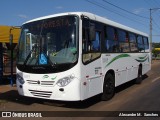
{"x": 90, "y": 52}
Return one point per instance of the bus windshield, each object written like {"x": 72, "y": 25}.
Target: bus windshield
{"x": 49, "y": 42}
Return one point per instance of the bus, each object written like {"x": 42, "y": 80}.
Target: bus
{"x": 74, "y": 56}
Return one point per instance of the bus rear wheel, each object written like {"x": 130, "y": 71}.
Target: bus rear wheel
{"x": 139, "y": 77}
{"x": 108, "y": 87}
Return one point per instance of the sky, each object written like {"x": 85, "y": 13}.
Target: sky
{"x": 132, "y": 13}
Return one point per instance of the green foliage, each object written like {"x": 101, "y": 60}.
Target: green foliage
{"x": 156, "y": 45}
{"x": 155, "y": 52}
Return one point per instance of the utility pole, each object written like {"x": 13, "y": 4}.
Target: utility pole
{"x": 11, "y": 46}
{"x": 151, "y": 9}
{"x": 150, "y": 30}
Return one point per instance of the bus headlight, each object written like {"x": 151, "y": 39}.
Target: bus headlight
{"x": 20, "y": 79}
{"x": 65, "y": 81}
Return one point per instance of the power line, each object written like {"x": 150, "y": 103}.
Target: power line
{"x": 151, "y": 6}
{"x": 157, "y": 27}
{"x": 156, "y": 35}
{"x": 102, "y": 6}
{"x": 155, "y": 30}
{"x": 125, "y": 10}
{"x": 156, "y": 24}
{"x": 156, "y": 4}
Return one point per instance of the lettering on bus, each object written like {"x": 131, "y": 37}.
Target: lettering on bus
{"x": 54, "y": 23}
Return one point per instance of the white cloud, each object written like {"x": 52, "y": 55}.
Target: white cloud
{"x": 139, "y": 10}
{"x": 59, "y": 7}
{"x": 22, "y": 16}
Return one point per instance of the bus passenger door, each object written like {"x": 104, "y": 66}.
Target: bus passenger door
{"x": 92, "y": 63}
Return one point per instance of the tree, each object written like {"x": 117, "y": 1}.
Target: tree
{"x": 155, "y": 52}
{"x": 156, "y": 45}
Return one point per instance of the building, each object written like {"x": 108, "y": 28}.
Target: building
{"x": 8, "y": 49}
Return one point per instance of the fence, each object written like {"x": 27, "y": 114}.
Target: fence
{"x": 7, "y": 62}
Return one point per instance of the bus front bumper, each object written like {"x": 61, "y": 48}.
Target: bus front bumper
{"x": 70, "y": 92}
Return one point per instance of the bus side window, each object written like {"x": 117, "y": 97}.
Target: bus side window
{"x": 146, "y": 44}
{"x": 123, "y": 41}
{"x": 133, "y": 44}
{"x": 96, "y": 43}
{"x": 140, "y": 43}
{"x": 91, "y": 49}
{"x": 84, "y": 39}
{"x": 111, "y": 43}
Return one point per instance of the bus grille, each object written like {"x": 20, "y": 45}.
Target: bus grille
{"x": 44, "y": 94}
{"x": 42, "y": 83}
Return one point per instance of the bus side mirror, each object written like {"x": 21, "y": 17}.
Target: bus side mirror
{"x": 92, "y": 32}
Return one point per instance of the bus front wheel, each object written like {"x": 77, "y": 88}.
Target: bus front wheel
{"x": 108, "y": 87}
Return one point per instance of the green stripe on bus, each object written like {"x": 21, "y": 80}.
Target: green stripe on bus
{"x": 117, "y": 57}
{"x": 143, "y": 57}
{"x": 139, "y": 59}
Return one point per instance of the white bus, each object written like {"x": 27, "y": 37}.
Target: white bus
{"x": 74, "y": 56}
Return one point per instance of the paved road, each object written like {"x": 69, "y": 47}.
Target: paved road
{"x": 129, "y": 97}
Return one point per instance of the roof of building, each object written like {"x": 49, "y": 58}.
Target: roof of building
{"x": 5, "y": 32}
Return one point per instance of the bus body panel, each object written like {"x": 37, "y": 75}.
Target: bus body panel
{"x": 45, "y": 85}
{"x": 125, "y": 65}
{"x": 92, "y": 73}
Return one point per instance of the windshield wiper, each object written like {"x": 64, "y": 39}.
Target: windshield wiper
{"x": 42, "y": 51}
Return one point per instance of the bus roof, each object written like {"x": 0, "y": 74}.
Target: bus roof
{"x": 93, "y": 17}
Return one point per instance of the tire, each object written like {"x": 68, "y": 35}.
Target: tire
{"x": 139, "y": 77}
{"x": 108, "y": 87}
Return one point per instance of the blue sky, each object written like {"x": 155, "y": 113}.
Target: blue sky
{"x": 16, "y": 12}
